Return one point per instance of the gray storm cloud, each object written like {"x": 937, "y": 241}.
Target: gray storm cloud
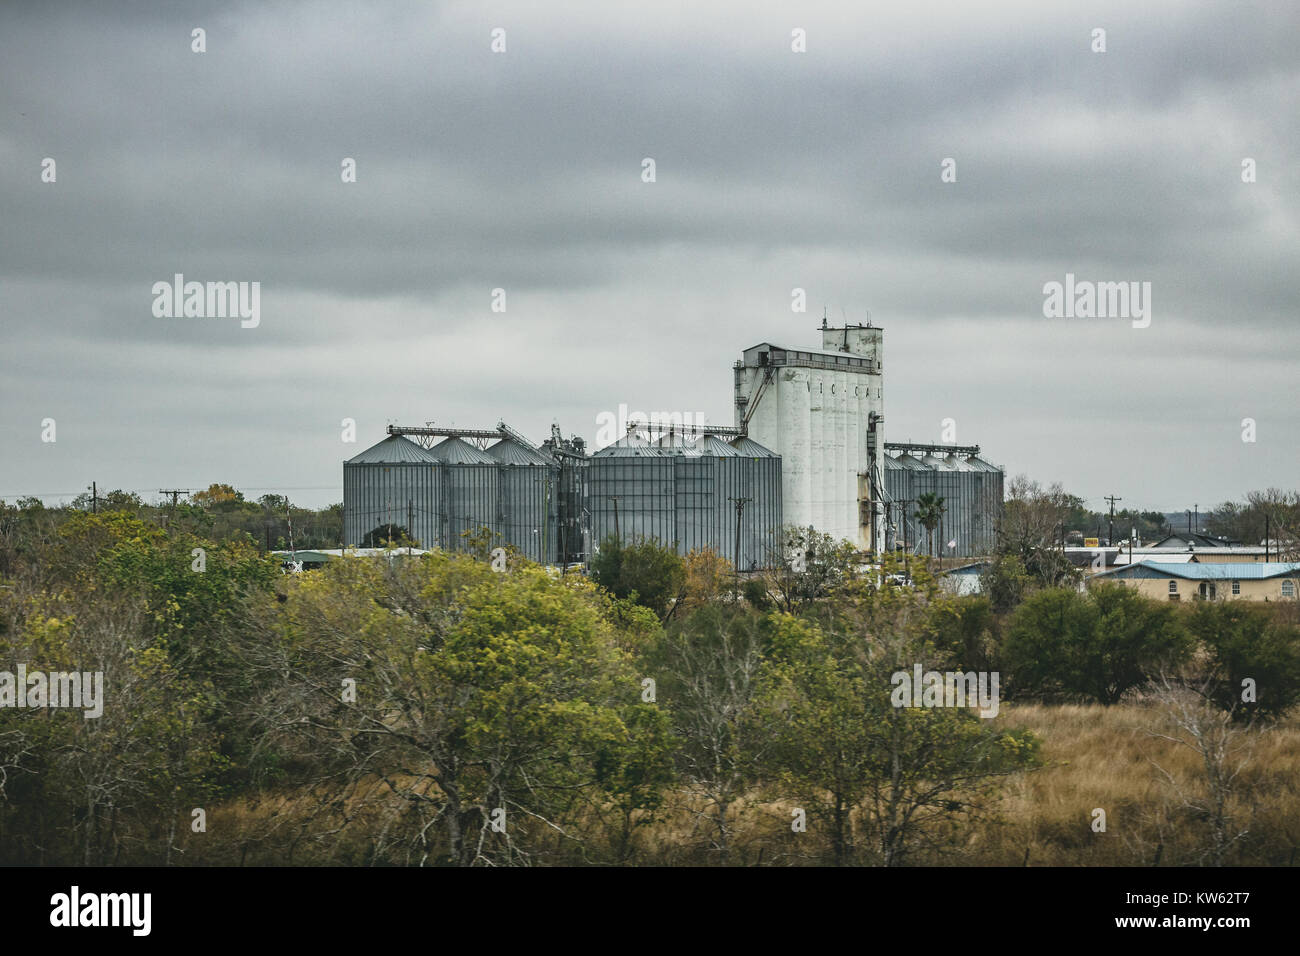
{"x": 521, "y": 170}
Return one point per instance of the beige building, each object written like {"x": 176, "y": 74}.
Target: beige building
{"x": 1205, "y": 581}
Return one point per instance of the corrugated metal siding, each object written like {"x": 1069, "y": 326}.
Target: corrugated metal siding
{"x": 695, "y": 503}
{"x": 470, "y": 493}
{"x": 643, "y": 486}
{"x": 972, "y": 491}
{"x": 467, "y": 490}
{"x": 681, "y": 493}
{"x": 376, "y": 494}
{"x": 684, "y": 494}
{"x": 469, "y": 502}
{"x": 527, "y": 482}
{"x": 758, "y": 477}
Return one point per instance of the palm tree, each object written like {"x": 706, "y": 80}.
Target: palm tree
{"x": 929, "y": 511}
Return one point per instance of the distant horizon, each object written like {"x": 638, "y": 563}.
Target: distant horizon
{"x": 151, "y": 498}
{"x": 318, "y": 502}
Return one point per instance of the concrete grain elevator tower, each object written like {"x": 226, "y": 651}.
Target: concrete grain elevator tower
{"x": 822, "y": 411}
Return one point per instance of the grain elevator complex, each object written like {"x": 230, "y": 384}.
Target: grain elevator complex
{"x": 806, "y": 449}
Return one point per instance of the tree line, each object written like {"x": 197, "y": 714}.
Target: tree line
{"x": 446, "y": 710}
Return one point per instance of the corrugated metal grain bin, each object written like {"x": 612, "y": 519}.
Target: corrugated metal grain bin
{"x": 971, "y": 490}
{"x": 962, "y": 522}
{"x": 900, "y": 486}
{"x": 703, "y": 473}
{"x": 528, "y": 482}
{"x": 683, "y": 491}
{"x": 395, "y": 482}
{"x": 470, "y": 495}
{"x": 631, "y": 487}
{"x": 991, "y": 481}
{"x": 759, "y": 470}
{"x": 554, "y": 504}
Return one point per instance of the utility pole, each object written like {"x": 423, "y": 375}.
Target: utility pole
{"x": 740, "y": 508}
{"x": 410, "y": 520}
{"x": 1196, "y": 512}
{"x": 175, "y": 493}
{"x": 288, "y": 515}
{"x": 902, "y": 507}
{"x": 1110, "y": 533}
{"x": 94, "y": 498}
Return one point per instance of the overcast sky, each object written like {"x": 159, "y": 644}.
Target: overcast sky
{"x": 522, "y": 170}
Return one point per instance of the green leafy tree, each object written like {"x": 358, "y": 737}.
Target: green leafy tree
{"x": 479, "y": 541}
{"x": 633, "y": 771}
{"x": 496, "y": 710}
{"x": 818, "y": 706}
{"x": 707, "y": 669}
{"x": 964, "y": 632}
{"x": 385, "y": 535}
{"x": 116, "y": 787}
{"x": 1246, "y": 642}
{"x": 644, "y": 571}
{"x": 1061, "y": 644}
{"x": 755, "y": 592}
{"x": 884, "y": 781}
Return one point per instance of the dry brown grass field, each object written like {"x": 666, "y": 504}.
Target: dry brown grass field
{"x": 1095, "y": 757}
{"x": 1106, "y": 757}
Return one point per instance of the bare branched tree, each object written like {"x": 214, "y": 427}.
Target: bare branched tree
{"x": 1224, "y": 748}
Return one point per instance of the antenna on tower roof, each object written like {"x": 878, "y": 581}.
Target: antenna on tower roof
{"x": 823, "y": 318}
